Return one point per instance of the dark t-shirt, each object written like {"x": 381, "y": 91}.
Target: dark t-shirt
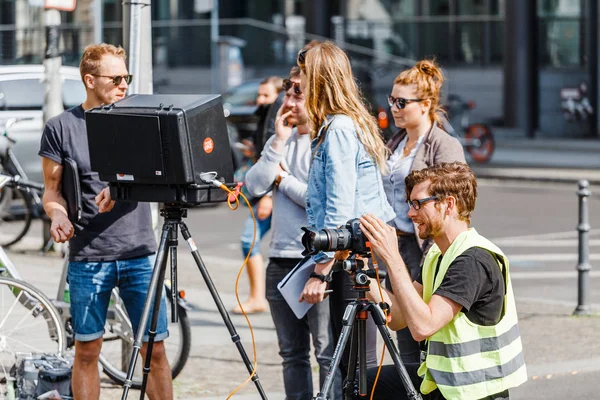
{"x": 124, "y": 232}
{"x": 475, "y": 281}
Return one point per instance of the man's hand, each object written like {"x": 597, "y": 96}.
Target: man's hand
{"x": 264, "y": 208}
{"x": 384, "y": 241}
{"x": 283, "y": 130}
{"x": 104, "y": 202}
{"x": 61, "y": 229}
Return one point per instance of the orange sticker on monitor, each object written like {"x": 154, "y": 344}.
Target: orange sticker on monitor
{"x": 209, "y": 145}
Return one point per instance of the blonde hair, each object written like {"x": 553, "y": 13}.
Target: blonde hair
{"x": 92, "y": 57}
{"x": 428, "y": 78}
{"x": 332, "y": 90}
{"x": 276, "y": 81}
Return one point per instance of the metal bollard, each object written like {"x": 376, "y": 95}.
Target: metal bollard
{"x": 583, "y": 266}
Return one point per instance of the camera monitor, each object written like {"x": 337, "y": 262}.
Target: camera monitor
{"x": 156, "y": 147}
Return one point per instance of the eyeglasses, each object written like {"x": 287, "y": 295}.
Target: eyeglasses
{"x": 116, "y": 79}
{"x": 416, "y": 204}
{"x": 301, "y": 58}
{"x": 401, "y": 102}
{"x": 288, "y": 84}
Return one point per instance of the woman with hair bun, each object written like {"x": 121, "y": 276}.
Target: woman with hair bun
{"x": 420, "y": 143}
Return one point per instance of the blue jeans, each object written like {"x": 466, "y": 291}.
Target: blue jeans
{"x": 91, "y": 284}
{"x": 294, "y": 336}
{"x": 262, "y": 227}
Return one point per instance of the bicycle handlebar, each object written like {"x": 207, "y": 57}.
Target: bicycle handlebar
{"x": 19, "y": 182}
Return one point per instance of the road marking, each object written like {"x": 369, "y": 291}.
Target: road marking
{"x": 549, "y": 275}
{"x": 544, "y": 236}
{"x": 518, "y": 258}
{"x": 542, "y": 243}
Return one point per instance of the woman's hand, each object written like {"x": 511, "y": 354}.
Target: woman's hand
{"x": 384, "y": 241}
{"x": 314, "y": 290}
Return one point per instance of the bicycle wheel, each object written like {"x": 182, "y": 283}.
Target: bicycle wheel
{"x": 118, "y": 343}
{"x": 16, "y": 213}
{"x": 29, "y": 323}
{"x": 482, "y": 135}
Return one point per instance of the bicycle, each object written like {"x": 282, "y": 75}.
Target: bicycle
{"x": 56, "y": 334}
{"x": 19, "y": 206}
{"x": 477, "y": 139}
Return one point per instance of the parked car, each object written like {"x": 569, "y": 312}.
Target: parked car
{"x": 22, "y": 96}
{"x": 239, "y": 104}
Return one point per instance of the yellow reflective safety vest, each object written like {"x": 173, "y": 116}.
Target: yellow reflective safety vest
{"x": 465, "y": 360}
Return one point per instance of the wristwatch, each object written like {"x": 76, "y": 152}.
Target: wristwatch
{"x": 281, "y": 176}
{"x": 323, "y": 278}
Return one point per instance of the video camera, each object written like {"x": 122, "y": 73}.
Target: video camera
{"x": 350, "y": 237}
{"x": 162, "y": 148}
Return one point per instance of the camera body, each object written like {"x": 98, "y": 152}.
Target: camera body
{"x": 350, "y": 237}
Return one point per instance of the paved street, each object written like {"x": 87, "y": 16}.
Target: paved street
{"x": 534, "y": 223}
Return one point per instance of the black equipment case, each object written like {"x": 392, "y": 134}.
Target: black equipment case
{"x": 154, "y": 147}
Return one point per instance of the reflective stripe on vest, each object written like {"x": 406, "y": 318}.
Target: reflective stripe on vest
{"x": 466, "y": 360}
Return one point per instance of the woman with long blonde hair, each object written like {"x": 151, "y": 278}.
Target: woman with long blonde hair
{"x": 345, "y": 181}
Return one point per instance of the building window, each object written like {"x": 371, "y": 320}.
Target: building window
{"x": 560, "y": 33}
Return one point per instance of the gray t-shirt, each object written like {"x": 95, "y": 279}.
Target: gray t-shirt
{"x": 123, "y": 233}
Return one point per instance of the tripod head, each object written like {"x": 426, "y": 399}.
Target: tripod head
{"x": 356, "y": 268}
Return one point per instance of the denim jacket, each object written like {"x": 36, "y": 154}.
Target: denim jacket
{"x": 344, "y": 181}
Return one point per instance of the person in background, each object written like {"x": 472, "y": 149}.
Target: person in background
{"x": 283, "y": 169}
{"x": 420, "y": 143}
{"x": 268, "y": 90}
{"x": 345, "y": 182}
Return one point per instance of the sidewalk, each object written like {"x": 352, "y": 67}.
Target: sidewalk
{"x": 556, "y": 344}
{"x": 543, "y": 159}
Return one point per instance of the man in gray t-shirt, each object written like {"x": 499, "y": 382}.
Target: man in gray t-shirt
{"x": 283, "y": 168}
{"x": 112, "y": 244}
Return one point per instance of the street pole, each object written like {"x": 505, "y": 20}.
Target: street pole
{"x": 214, "y": 47}
{"x": 98, "y": 21}
{"x": 137, "y": 39}
{"x": 53, "y": 104}
{"x": 583, "y": 266}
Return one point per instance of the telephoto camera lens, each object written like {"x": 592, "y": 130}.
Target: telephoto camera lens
{"x": 325, "y": 240}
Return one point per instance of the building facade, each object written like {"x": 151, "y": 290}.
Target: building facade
{"x": 530, "y": 65}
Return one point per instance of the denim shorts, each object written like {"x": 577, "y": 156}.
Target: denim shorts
{"x": 262, "y": 227}
{"x": 91, "y": 284}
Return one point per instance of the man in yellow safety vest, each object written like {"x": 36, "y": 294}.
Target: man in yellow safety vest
{"x": 462, "y": 307}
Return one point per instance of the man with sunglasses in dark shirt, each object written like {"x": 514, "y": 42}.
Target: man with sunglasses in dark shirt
{"x": 112, "y": 243}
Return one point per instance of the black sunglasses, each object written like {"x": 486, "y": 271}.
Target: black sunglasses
{"x": 301, "y": 58}
{"x": 116, "y": 79}
{"x": 288, "y": 84}
{"x": 401, "y": 102}
{"x": 416, "y": 204}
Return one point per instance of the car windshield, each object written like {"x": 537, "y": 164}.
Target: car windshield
{"x": 28, "y": 94}
{"x": 243, "y": 95}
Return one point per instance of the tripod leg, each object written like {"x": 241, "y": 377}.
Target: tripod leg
{"x": 174, "y": 290}
{"x": 153, "y": 324}
{"x": 349, "y": 318}
{"x": 379, "y": 318}
{"x": 159, "y": 264}
{"x": 222, "y": 310}
{"x": 362, "y": 358}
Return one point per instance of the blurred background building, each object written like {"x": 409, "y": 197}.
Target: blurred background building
{"x": 530, "y": 65}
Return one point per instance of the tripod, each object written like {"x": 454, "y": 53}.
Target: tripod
{"x": 355, "y": 323}
{"x": 173, "y": 221}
